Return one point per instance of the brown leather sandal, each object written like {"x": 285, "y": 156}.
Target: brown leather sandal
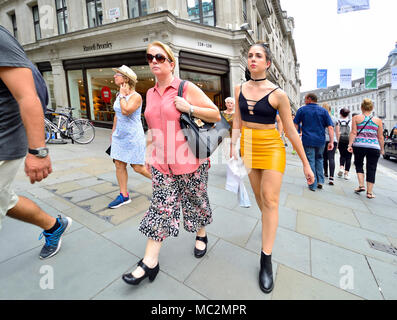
{"x": 359, "y": 189}
{"x": 370, "y": 195}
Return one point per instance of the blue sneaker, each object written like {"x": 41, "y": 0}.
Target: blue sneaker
{"x": 53, "y": 240}
{"x": 119, "y": 201}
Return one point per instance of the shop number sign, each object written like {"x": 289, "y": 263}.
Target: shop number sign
{"x": 106, "y": 94}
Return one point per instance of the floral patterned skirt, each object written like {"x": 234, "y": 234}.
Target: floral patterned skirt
{"x": 171, "y": 193}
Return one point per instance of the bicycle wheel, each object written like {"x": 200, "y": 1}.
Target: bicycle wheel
{"x": 81, "y": 131}
{"x": 47, "y": 132}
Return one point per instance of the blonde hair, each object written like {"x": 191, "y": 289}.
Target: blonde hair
{"x": 131, "y": 83}
{"x": 367, "y": 105}
{"x": 166, "y": 48}
{"x": 327, "y": 107}
{"x": 230, "y": 99}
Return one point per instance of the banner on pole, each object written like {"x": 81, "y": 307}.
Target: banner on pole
{"x": 346, "y": 78}
{"x": 352, "y": 5}
{"x": 321, "y": 78}
{"x": 394, "y": 78}
{"x": 371, "y": 78}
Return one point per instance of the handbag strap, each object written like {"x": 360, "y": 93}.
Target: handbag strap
{"x": 180, "y": 89}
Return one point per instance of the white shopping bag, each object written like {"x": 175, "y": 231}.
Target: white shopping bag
{"x": 243, "y": 197}
{"x": 235, "y": 174}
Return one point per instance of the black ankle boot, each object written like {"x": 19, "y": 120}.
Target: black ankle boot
{"x": 266, "y": 274}
{"x": 151, "y": 273}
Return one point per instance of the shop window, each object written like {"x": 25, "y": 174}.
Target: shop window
{"x": 49, "y": 79}
{"x": 137, "y": 8}
{"x": 202, "y": 11}
{"x": 102, "y": 79}
{"x": 62, "y": 16}
{"x": 210, "y": 84}
{"x": 36, "y": 22}
{"x": 94, "y": 13}
{"x": 78, "y": 99}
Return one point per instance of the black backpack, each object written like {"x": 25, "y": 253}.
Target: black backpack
{"x": 344, "y": 131}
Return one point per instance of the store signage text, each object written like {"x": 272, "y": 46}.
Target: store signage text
{"x": 98, "y": 46}
{"x": 202, "y": 44}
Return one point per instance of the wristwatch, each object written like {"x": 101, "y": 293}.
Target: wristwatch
{"x": 39, "y": 152}
{"x": 191, "y": 110}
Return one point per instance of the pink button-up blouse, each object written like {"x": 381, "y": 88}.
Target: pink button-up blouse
{"x": 171, "y": 153}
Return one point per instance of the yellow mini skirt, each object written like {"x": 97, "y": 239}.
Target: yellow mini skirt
{"x": 262, "y": 149}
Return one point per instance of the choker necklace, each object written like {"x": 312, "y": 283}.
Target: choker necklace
{"x": 257, "y": 80}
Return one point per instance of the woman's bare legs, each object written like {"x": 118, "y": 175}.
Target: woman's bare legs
{"x": 141, "y": 169}
{"x": 122, "y": 176}
{"x": 266, "y": 185}
{"x": 151, "y": 257}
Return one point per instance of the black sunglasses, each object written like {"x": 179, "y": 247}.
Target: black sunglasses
{"x": 159, "y": 58}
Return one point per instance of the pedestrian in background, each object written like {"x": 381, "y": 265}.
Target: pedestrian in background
{"x": 180, "y": 181}
{"x": 22, "y": 130}
{"x": 128, "y": 138}
{"x": 329, "y": 155}
{"x": 366, "y": 142}
{"x": 314, "y": 119}
{"x": 228, "y": 115}
{"x": 229, "y": 112}
{"x": 262, "y": 148}
{"x": 343, "y": 142}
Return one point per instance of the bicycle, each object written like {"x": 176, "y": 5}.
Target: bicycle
{"x": 78, "y": 130}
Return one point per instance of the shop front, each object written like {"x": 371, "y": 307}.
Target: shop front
{"x": 92, "y": 91}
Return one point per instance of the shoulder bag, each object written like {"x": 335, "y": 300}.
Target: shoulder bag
{"x": 202, "y": 137}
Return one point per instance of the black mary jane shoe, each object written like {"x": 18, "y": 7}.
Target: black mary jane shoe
{"x": 200, "y": 253}
{"x": 266, "y": 273}
{"x": 151, "y": 273}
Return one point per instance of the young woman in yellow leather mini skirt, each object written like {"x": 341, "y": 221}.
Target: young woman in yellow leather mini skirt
{"x": 262, "y": 149}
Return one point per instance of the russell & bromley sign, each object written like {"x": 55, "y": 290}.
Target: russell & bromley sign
{"x": 98, "y": 46}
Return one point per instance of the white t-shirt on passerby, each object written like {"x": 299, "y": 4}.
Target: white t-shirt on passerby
{"x": 335, "y": 122}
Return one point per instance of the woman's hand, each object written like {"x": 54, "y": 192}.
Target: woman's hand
{"x": 182, "y": 105}
{"x": 124, "y": 89}
{"x": 350, "y": 149}
{"x": 307, "y": 170}
{"x": 233, "y": 151}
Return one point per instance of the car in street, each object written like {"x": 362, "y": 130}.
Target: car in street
{"x": 391, "y": 145}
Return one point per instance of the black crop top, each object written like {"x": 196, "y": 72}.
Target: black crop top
{"x": 257, "y": 111}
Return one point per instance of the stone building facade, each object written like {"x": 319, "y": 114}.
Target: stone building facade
{"x": 384, "y": 98}
{"x": 75, "y": 43}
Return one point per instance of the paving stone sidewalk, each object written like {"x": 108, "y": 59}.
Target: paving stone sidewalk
{"x": 321, "y": 250}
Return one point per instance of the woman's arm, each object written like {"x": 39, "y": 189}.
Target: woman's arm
{"x": 236, "y": 127}
{"x": 128, "y": 108}
{"x": 353, "y": 135}
{"x": 337, "y": 131}
{"x": 114, "y": 123}
{"x": 284, "y": 109}
{"x": 202, "y": 106}
{"x": 381, "y": 138}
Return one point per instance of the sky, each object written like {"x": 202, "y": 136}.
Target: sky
{"x": 327, "y": 40}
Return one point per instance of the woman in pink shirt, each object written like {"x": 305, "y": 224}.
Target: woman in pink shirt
{"x": 179, "y": 179}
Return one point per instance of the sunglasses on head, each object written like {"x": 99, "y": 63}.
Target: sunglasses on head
{"x": 159, "y": 58}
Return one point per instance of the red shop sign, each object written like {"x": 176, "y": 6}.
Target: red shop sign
{"x": 106, "y": 94}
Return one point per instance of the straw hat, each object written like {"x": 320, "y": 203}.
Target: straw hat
{"x": 124, "y": 70}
